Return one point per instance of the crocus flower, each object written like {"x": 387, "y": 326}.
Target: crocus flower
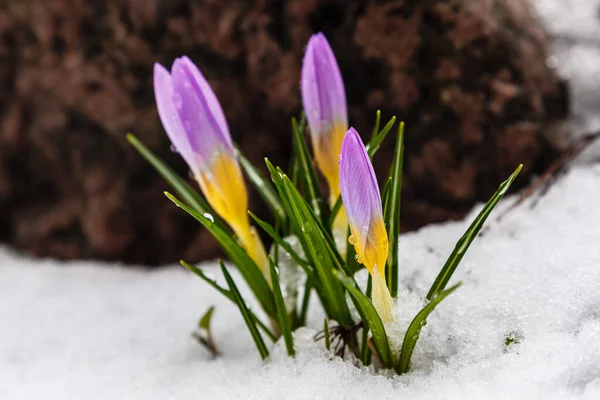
{"x": 362, "y": 201}
{"x": 195, "y": 123}
{"x": 324, "y": 100}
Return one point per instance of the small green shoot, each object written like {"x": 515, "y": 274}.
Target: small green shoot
{"x": 204, "y": 336}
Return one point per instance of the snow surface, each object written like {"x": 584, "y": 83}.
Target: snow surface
{"x": 89, "y": 331}
{"x": 574, "y": 30}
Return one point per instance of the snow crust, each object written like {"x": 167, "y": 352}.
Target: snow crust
{"x": 90, "y": 331}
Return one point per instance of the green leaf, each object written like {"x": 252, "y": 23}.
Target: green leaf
{"x": 376, "y": 125}
{"x": 414, "y": 329}
{"x": 281, "y": 242}
{"x": 301, "y": 320}
{"x": 264, "y": 188}
{"x": 307, "y": 172}
{"x": 246, "y": 314}
{"x": 282, "y": 314}
{"x": 352, "y": 264}
{"x": 326, "y": 334}
{"x": 392, "y": 212}
{"x": 189, "y": 195}
{"x": 337, "y": 206}
{"x": 226, "y": 293}
{"x": 376, "y": 140}
{"x": 365, "y": 355}
{"x": 247, "y": 267}
{"x": 206, "y": 318}
{"x": 317, "y": 244}
{"x": 370, "y": 319}
{"x": 465, "y": 241}
{"x": 313, "y": 236}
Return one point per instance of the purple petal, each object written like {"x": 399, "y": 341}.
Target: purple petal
{"x": 163, "y": 93}
{"x": 358, "y": 186}
{"x": 323, "y": 94}
{"x": 200, "y": 113}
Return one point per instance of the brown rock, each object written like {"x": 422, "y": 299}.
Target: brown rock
{"x": 467, "y": 76}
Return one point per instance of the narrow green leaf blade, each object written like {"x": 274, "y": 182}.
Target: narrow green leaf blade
{"x": 264, "y": 187}
{"x": 247, "y": 267}
{"x": 465, "y": 241}
{"x": 414, "y": 329}
{"x": 318, "y": 246}
{"x": 376, "y": 125}
{"x": 226, "y": 293}
{"x": 365, "y": 354}
{"x": 307, "y": 172}
{"x": 337, "y": 206}
{"x": 280, "y": 241}
{"x": 245, "y": 311}
{"x": 392, "y": 212}
{"x": 370, "y": 319}
{"x": 313, "y": 236}
{"x": 376, "y": 140}
{"x": 189, "y": 195}
{"x": 282, "y": 314}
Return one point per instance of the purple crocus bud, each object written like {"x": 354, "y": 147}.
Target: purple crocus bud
{"x": 194, "y": 120}
{"x": 362, "y": 201}
{"x": 324, "y": 100}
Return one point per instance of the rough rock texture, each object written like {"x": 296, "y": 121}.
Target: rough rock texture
{"x": 469, "y": 78}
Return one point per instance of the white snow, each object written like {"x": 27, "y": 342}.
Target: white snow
{"x": 89, "y": 331}
{"x": 574, "y": 29}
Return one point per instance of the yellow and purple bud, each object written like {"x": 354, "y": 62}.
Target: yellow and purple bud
{"x": 324, "y": 101}
{"x": 195, "y": 123}
{"x": 362, "y": 201}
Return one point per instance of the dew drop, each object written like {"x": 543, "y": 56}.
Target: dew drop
{"x": 352, "y": 240}
{"x": 306, "y": 227}
{"x": 173, "y": 148}
{"x": 424, "y": 322}
{"x": 384, "y": 241}
{"x": 177, "y": 101}
{"x": 209, "y": 217}
{"x": 358, "y": 259}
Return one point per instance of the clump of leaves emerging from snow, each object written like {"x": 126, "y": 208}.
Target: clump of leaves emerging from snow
{"x": 310, "y": 232}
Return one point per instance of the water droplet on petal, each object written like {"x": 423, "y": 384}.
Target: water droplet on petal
{"x": 177, "y": 101}
{"x": 173, "y": 148}
{"x": 352, "y": 240}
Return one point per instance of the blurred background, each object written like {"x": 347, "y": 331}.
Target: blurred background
{"x": 472, "y": 79}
